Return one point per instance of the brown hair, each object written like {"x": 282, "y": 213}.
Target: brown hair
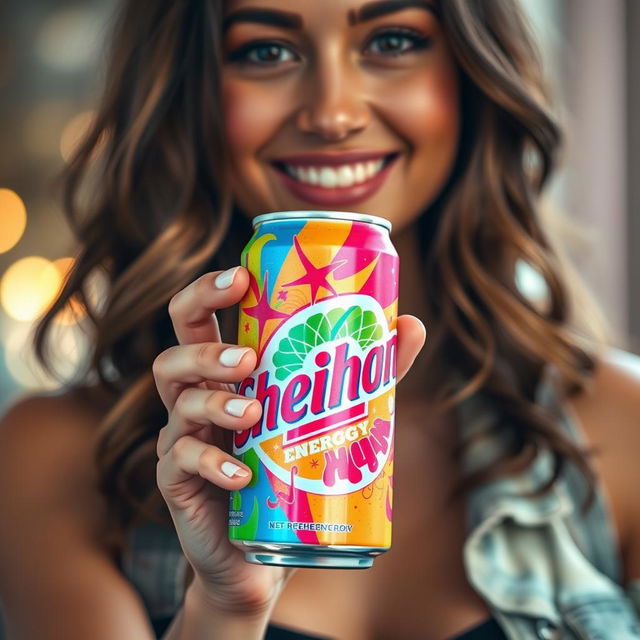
{"x": 159, "y": 215}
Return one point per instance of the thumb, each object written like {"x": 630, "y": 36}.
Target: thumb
{"x": 411, "y": 338}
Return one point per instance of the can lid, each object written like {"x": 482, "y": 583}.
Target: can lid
{"x": 332, "y": 215}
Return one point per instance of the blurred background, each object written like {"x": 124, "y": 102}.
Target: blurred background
{"x": 51, "y": 63}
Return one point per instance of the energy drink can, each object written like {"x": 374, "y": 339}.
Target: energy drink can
{"x": 321, "y": 313}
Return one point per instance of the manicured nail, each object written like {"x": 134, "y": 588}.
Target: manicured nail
{"x": 225, "y": 279}
{"x": 231, "y": 469}
{"x": 236, "y": 406}
{"x": 231, "y": 357}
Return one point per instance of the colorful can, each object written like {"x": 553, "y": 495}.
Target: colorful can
{"x": 321, "y": 313}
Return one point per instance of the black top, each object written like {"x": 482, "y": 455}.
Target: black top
{"x": 488, "y": 630}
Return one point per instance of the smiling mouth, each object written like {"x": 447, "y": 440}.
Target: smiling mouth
{"x": 336, "y": 177}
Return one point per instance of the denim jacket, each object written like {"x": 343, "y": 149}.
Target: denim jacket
{"x": 545, "y": 571}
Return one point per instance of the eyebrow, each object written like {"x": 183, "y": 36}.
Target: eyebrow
{"x": 289, "y": 20}
{"x": 373, "y": 10}
{"x": 274, "y": 17}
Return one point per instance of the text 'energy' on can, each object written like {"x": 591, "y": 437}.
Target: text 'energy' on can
{"x": 321, "y": 313}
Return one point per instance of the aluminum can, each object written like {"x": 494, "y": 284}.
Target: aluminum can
{"x": 321, "y": 313}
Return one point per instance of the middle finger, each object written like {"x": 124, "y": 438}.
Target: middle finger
{"x": 196, "y": 408}
{"x": 188, "y": 365}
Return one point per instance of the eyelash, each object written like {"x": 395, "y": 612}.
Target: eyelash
{"x": 419, "y": 42}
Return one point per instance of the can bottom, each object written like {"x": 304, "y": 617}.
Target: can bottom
{"x": 319, "y": 556}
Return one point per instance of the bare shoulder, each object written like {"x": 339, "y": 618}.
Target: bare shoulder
{"x": 609, "y": 413}
{"x": 56, "y": 577}
{"x": 610, "y": 406}
{"x": 48, "y": 441}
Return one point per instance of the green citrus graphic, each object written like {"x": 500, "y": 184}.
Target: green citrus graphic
{"x": 361, "y": 325}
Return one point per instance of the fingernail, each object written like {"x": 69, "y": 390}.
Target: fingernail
{"x": 231, "y": 357}
{"x": 231, "y": 469}
{"x": 225, "y": 279}
{"x": 236, "y": 406}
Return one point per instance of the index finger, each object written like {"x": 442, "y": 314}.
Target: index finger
{"x": 192, "y": 310}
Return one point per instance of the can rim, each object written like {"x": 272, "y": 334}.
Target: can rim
{"x": 319, "y": 214}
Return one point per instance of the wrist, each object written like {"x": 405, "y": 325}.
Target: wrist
{"x": 238, "y": 621}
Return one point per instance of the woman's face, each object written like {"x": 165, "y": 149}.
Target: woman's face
{"x": 307, "y": 83}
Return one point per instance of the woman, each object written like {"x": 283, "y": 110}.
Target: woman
{"x": 126, "y": 473}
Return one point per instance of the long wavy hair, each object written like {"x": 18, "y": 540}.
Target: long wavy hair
{"x": 145, "y": 196}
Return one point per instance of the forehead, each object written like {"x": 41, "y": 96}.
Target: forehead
{"x": 301, "y": 13}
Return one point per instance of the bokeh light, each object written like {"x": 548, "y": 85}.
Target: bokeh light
{"x": 69, "y": 38}
{"x": 23, "y": 365}
{"x": 532, "y": 285}
{"x": 28, "y": 286}
{"x": 13, "y": 219}
{"x": 74, "y": 132}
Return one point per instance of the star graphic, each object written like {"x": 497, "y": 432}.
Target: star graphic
{"x": 253, "y": 283}
{"x": 247, "y": 327}
{"x": 315, "y": 277}
{"x": 263, "y": 311}
{"x": 314, "y": 463}
{"x": 282, "y": 295}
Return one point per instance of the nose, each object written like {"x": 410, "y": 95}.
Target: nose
{"x": 334, "y": 106}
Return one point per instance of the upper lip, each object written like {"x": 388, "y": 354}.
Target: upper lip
{"x": 332, "y": 158}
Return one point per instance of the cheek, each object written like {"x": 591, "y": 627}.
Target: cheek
{"x": 250, "y": 118}
{"x": 426, "y": 113}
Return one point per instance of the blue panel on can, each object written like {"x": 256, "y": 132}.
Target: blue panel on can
{"x": 272, "y": 260}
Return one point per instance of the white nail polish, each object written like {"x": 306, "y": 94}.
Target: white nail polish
{"x": 231, "y": 469}
{"x": 231, "y": 357}
{"x": 236, "y": 406}
{"x": 225, "y": 279}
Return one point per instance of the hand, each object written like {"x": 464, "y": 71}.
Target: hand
{"x": 195, "y": 471}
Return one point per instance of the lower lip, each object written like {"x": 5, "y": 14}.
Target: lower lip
{"x": 336, "y": 196}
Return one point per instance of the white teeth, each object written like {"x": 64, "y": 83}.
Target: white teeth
{"x": 328, "y": 177}
{"x": 345, "y": 175}
{"x": 313, "y": 175}
{"x": 360, "y": 173}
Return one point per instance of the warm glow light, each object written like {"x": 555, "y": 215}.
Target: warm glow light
{"x": 74, "y": 310}
{"x": 13, "y": 219}
{"x": 28, "y": 286}
{"x": 74, "y": 132}
{"x": 26, "y": 370}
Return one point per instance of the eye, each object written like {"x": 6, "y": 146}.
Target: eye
{"x": 392, "y": 42}
{"x": 265, "y": 53}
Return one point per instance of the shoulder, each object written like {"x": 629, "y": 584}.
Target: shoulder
{"x": 37, "y": 424}
{"x": 610, "y": 404}
{"x": 608, "y": 411}
{"x": 53, "y": 556}
{"x": 80, "y": 404}
{"x": 47, "y": 444}
{"x": 617, "y": 374}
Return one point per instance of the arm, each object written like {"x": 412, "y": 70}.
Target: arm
{"x": 57, "y": 580}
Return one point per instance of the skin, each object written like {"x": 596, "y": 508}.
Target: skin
{"x": 333, "y": 86}
{"x": 337, "y": 101}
